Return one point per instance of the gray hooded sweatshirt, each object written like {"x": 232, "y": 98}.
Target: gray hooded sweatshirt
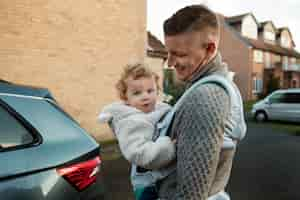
{"x": 134, "y": 131}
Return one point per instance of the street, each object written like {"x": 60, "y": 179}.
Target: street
{"x": 265, "y": 167}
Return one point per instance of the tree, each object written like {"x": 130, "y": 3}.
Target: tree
{"x": 172, "y": 88}
{"x": 273, "y": 84}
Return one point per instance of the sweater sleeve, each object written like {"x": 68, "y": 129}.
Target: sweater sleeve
{"x": 135, "y": 141}
{"x": 199, "y": 126}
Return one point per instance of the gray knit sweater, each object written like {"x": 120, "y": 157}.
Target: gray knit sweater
{"x": 202, "y": 167}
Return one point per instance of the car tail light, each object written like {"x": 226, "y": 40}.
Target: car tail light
{"x": 83, "y": 174}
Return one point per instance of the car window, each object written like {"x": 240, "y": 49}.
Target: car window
{"x": 292, "y": 98}
{"x": 12, "y": 132}
{"x": 277, "y": 98}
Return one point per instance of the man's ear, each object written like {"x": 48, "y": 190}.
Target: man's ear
{"x": 211, "y": 47}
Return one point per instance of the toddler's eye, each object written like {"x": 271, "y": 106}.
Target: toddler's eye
{"x": 136, "y": 93}
{"x": 150, "y": 90}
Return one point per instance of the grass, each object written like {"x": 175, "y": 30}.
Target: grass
{"x": 106, "y": 143}
{"x": 109, "y": 149}
{"x": 112, "y": 155}
{"x": 248, "y": 105}
{"x": 288, "y": 127}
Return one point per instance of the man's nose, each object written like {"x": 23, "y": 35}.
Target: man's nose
{"x": 171, "y": 61}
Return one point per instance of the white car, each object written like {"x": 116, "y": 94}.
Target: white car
{"x": 281, "y": 105}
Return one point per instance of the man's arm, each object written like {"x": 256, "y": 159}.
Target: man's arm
{"x": 199, "y": 126}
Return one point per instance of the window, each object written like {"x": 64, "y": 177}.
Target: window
{"x": 269, "y": 35}
{"x": 285, "y": 41}
{"x": 257, "y": 85}
{"x": 12, "y": 132}
{"x": 267, "y": 60}
{"x": 293, "y": 60}
{"x": 258, "y": 56}
{"x": 292, "y": 98}
{"x": 277, "y": 98}
{"x": 285, "y": 62}
{"x": 276, "y": 58}
{"x": 288, "y": 98}
{"x": 294, "y": 83}
{"x": 249, "y": 27}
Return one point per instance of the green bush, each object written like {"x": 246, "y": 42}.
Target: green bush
{"x": 172, "y": 88}
{"x": 248, "y": 105}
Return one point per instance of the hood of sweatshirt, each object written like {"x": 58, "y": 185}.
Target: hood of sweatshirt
{"x": 117, "y": 111}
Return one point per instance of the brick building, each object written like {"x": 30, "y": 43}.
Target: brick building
{"x": 74, "y": 48}
{"x": 259, "y": 53}
{"x": 156, "y": 55}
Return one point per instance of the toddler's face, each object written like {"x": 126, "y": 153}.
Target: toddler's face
{"x": 142, "y": 93}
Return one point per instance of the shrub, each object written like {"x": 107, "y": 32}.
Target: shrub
{"x": 172, "y": 88}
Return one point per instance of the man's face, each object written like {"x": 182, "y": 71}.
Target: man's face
{"x": 187, "y": 52}
{"x": 142, "y": 93}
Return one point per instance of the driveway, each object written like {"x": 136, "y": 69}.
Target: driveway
{"x": 266, "y": 167}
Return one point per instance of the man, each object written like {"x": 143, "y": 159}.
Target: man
{"x": 203, "y": 166}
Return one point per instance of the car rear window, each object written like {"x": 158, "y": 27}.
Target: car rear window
{"x": 12, "y": 132}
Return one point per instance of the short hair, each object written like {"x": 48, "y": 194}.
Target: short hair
{"x": 191, "y": 18}
{"x": 134, "y": 71}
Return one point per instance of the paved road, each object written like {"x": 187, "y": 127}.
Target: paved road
{"x": 266, "y": 168}
{"x": 116, "y": 177}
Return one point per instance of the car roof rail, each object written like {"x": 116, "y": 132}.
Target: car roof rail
{"x": 5, "y": 81}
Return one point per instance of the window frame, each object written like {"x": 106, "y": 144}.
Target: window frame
{"x": 267, "y": 60}
{"x": 36, "y": 136}
{"x": 258, "y": 56}
{"x": 285, "y": 63}
{"x": 257, "y": 85}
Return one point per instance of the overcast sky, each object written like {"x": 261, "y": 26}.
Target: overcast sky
{"x": 284, "y": 13}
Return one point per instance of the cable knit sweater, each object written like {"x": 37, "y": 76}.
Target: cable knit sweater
{"x": 202, "y": 167}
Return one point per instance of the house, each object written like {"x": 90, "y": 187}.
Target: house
{"x": 156, "y": 55}
{"x": 156, "y": 58}
{"x": 74, "y": 48}
{"x": 262, "y": 56}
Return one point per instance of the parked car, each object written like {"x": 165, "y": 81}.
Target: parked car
{"x": 44, "y": 153}
{"x": 282, "y": 105}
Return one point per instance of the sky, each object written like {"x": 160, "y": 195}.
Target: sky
{"x": 285, "y": 13}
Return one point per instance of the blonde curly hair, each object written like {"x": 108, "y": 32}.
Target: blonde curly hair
{"x": 134, "y": 71}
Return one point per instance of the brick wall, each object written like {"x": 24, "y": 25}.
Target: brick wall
{"x": 237, "y": 55}
{"x": 74, "y": 48}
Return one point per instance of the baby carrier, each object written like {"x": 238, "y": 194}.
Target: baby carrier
{"x": 235, "y": 130}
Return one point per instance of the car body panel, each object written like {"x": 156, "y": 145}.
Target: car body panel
{"x": 29, "y": 172}
{"x": 15, "y": 89}
{"x": 282, "y": 111}
{"x": 40, "y": 114}
{"x": 43, "y": 185}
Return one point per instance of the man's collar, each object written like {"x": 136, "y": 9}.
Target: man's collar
{"x": 213, "y": 66}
